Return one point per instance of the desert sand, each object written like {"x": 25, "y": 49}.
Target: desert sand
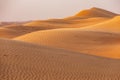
{"x": 93, "y": 12}
{"x": 17, "y": 30}
{"x": 95, "y": 43}
{"x": 112, "y": 25}
{"x": 8, "y": 33}
{"x": 29, "y": 27}
{"x": 69, "y": 23}
{"x": 84, "y": 46}
{"x": 96, "y": 37}
{"x": 76, "y": 21}
{"x": 25, "y": 61}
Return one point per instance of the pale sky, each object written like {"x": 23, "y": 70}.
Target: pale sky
{"x": 23, "y": 10}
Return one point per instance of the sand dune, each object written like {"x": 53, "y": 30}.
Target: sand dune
{"x": 82, "y": 47}
{"x": 112, "y": 25}
{"x": 11, "y": 23}
{"x": 8, "y": 33}
{"x": 22, "y": 28}
{"x": 14, "y": 30}
{"x": 90, "y": 42}
{"x": 79, "y": 23}
{"x": 63, "y": 23}
{"x": 29, "y": 27}
{"x": 6, "y": 23}
{"x": 95, "y": 12}
{"x": 24, "y": 61}
{"x": 48, "y": 24}
{"x": 96, "y": 16}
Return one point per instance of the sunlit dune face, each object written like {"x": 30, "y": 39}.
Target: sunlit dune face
{"x": 27, "y": 27}
{"x": 20, "y": 60}
{"x": 95, "y": 43}
{"x": 94, "y": 34}
{"x": 96, "y": 12}
{"x": 107, "y": 26}
{"x": 67, "y": 23}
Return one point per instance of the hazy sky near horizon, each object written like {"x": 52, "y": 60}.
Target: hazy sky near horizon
{"x": 22, "y": 10}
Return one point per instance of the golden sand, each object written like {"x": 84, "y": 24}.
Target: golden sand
{"x": 82, "y": 47}
{"x": 112, "y": 25}
{"x": 25, "y": 61}
{"x": 90, "y": 42}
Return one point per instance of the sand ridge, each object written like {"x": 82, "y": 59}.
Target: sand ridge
{"x": 14, "y": 30}
{"x": 29, "y": 27}
{"x": 112, "y": 25}
{"x": 93, "y": 12}
{"x": 91, "y": 42}
{"x": 69, "y": 23}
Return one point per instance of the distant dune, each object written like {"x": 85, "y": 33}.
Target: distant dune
{"x": 28, "y": 27}
{"x": 6, "y": 23}
{"x": 112, "y": 25}
{"x": 14, "y": 30}
{"x": 47, "y": 24}
{"x": 8, "y": 33}
{"x": 93, "y": 12}
{"x": 79, "y": 23}
{"x": 90, "y": 42}
{"x": 11, "y": 23}
{"x": 24, "y": 61}
{"x": 22, "y": 28}
{"x": 90, "y": 17}
{"x": 63, "y": 23}
{"x": 96, "y": 15}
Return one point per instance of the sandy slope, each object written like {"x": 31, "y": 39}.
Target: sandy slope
{"x": 8, "y": 33}
{"x": 93, "y": 15}
{"x": 48, "y": 24}
{"x": 63, "y": 23}
{"x": 93, "y": 12}
{"x": 24, "y": 61}
{"x": 85, "y": 18}
{"x": 112, "y": 25}
{"x": 6, "y": 23}
{"x": 24, "y": 29}
{"x": 95, "y": 43}
{"x": 79, "y": 23}
{"x": 14, "y": 30}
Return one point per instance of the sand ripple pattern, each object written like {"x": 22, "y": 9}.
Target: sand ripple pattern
{"x": 24, "y": 61}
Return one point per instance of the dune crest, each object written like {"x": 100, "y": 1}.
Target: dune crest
{"x": 95, "y": 12}
{"x": 21, "y": 29}
{"x": 112, "y": 25}
{"x": 63, "y": 23}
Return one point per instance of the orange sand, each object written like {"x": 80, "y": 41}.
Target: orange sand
{"x": 82, "y": 47}
{"x": 24, "y": 61}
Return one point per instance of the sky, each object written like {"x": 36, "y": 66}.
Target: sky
{"x": 24, "y": 10}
